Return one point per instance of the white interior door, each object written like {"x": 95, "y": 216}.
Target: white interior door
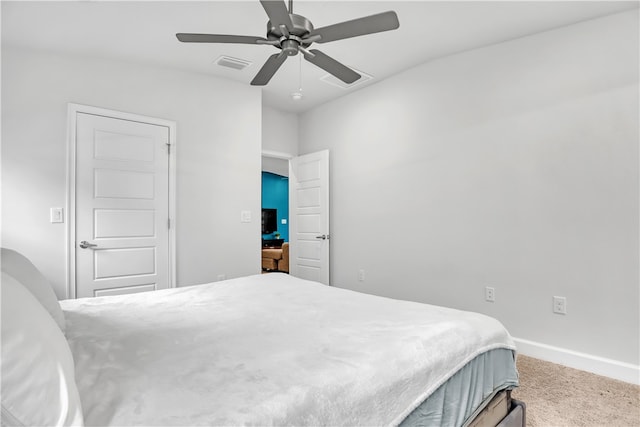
{"x": 309, "y": 217}
{"x": 121, "y": 206}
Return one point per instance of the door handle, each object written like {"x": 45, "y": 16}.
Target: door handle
{"x": 86, "y": 245}
{"x": 323, "y": 237}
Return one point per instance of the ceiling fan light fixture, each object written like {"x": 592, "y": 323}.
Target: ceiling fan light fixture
{"x": 296, "y": 96}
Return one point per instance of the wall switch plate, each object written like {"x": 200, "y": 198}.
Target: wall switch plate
{"x": 489, "y": 294}
{"x": 560, "y": 305}
{"x": 56, "y": 215}
{"x": 245, "y": 216}
{"x": 361, "y": 275}
{"x": 283, "y": 221}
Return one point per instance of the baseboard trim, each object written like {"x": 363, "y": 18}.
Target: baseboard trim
{"x": 622, "y": 371}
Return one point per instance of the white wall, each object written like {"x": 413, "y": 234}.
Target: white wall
{"x": 279, "y": 131}
{"x": 513, "y": 166}
{"x": 218, "y": 162}
{"x": 279, "y": 140}
{"x": 275, "y": 165}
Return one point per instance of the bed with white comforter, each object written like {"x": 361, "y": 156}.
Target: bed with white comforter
{"x": 266, "y": 350}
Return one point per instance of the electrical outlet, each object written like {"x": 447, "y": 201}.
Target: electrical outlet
{"x": 489, "y": 294}
{"x": 361, "y": 275}
{"x": 560, "y": 305}
{"x": 222, "y": 277}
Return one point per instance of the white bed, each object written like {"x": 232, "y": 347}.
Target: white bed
{"x": 276, "y": 350}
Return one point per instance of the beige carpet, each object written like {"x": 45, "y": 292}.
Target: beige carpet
{"x": 559, "y": 396}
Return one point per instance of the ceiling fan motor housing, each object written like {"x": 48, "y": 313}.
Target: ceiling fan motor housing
{"x": 302, "y": 27}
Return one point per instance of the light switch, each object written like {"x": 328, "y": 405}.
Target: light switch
{"x": 245, "y": 216}
{"x": 283, "y": 221}
{"x": 57, "y": 215}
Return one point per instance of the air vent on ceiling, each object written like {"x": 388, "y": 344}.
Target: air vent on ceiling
{"x": 235, "y": 63}
{"x": 332, "y": 80}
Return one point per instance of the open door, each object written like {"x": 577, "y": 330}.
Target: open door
{"x": 309, "y": 216}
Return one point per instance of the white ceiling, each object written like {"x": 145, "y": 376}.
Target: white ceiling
{"x": 145, "y": 32}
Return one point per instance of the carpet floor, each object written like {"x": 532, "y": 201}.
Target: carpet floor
{"x": 559, "y": 396}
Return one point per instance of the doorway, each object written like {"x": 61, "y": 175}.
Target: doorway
{"x": 309, "y": 245}
{"x": 275, "y": 215}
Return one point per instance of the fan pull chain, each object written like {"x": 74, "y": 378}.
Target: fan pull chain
{"x": 297, "y": 96}
{"x": 300, "y": 75}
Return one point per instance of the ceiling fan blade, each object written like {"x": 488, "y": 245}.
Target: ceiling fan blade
{"x": 277, "y": 13}
{"x": 218, "y": 38}
{"x": 269, "y": 69}
{"x": 358, "y": 27}
{"x": 332, "y": 66}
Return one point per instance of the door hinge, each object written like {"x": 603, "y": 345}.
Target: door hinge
{"x": 169, "y": 223}
{"x": 168, "y": 148}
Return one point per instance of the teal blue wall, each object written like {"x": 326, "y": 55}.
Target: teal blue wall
{"x": 275, "y": 194}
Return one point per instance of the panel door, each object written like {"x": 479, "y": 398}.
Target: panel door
{"x": 121, "y": 206}
{"x": 309, "y": 217}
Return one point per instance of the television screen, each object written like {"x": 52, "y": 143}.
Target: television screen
{"x": 269, "y": 221}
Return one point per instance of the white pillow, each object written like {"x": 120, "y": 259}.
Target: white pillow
{"x": 38, "y": 380}
{"x": 17, "y": 265}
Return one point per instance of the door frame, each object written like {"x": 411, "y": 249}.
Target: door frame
{"x": 277, "y": 155}
{"x": 72, "y": 112}
{"x": 293, "y": 244}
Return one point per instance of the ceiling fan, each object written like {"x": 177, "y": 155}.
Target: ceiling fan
{"x": 293, "y": 33}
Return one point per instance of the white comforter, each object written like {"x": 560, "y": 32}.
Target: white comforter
{"x": 266, "y": 350}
